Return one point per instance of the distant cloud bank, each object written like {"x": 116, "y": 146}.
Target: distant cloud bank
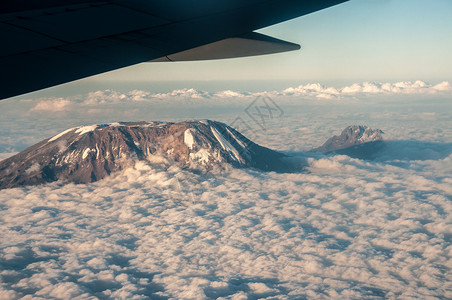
{"x": 310, "y": 91}
{"x": 368, "y": 88}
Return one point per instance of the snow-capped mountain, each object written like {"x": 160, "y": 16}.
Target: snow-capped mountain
{"x": 90, "y": 153}
{"x": 351, "y": 136}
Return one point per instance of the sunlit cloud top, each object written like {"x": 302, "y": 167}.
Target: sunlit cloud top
{"x": 313, "y": 91}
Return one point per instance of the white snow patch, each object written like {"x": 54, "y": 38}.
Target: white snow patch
{"x": 85, "y": 129}
{"x": 236, "y": 139}
{"x": 225, "y": 144}
{"x": 61, "y": 134}
{"x": 137, "y": 144}
{"x": 189, "y": 140}
{"x": 202, "y": 156}
{"x": 71, "y": 156}
{"x": 86, "y": 152}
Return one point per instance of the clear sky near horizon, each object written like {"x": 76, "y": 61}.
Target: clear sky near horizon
{"x": 361, "y": 40}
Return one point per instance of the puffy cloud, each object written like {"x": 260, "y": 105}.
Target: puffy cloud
{"x": 138, "y": 95}
{"x": 311, "y": 90}
{"x": 443, "y": 86}
{"x": 348, "y": 228}
{"x": 183, "y": 94}
{"x": 113, "y": 97}
{"x": 230, "y": 94}
{"x": 406, "y": 87}
{"x": 367, "y": 88}
{"x": 106, "y": 96}
{"x": 52, "y": 105}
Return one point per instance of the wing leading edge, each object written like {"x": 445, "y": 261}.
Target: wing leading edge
{"x": 60, "y": 41}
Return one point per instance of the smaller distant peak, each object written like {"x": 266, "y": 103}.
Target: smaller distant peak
{"x": 352, "y": 135}
{"x": 362, "y": 133}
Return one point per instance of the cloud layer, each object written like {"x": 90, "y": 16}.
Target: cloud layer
{"x": 346, "y": 229}
{"x": 309, "y": 91}
{"x": 369, "y": 88}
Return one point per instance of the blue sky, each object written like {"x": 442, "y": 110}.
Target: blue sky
{"x": 361, "y": 40}
{"x": 354, "y": 42}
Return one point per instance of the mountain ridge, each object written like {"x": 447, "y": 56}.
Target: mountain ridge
{"x": 89, "y": 153}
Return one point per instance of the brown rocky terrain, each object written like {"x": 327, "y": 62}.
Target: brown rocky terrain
{"x": 90, "y": 153}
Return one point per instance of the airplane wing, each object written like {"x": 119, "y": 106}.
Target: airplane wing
{"x": 50, "y": 42}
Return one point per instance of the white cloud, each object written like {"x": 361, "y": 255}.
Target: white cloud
{"x": 311, "y": 90}
{"x": 368, "y": 88}
{"x": 138, "y": 95}
{"x": 307, "y": 91}
{"x": 114, "y": 97}
{"x": 229, "y": 94}
{"x": 348, "y": 228}
{"x": 103, "y": 97}
{"x": 443, "y": 86}
{"x": 182, "y": 94}
{"x": 52, "y": 105}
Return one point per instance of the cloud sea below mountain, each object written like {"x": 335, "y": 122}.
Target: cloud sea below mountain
{"x": 345, "y": 228}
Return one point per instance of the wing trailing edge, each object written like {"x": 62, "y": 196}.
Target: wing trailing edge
{"x": 250, "y": 44}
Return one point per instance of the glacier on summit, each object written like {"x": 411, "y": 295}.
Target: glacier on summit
{"x": 89, "y": 153}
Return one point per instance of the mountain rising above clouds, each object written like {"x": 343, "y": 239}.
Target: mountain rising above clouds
{"x": 89, "y": 153}
{"x": 350, "y": 137}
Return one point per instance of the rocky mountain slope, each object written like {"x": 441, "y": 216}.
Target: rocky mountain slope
{"x": 90, "y": 153}
{"x": 350, "y": 137}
